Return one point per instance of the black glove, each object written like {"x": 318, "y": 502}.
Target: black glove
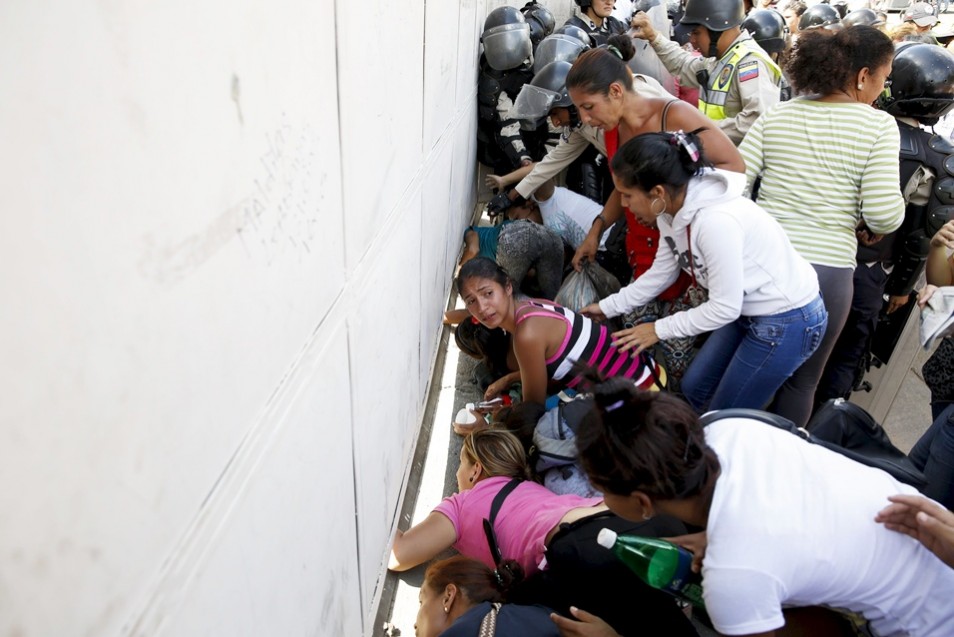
{"x": 499, "y": 204}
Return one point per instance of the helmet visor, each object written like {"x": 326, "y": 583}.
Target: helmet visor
{"x": 533, "y": 103}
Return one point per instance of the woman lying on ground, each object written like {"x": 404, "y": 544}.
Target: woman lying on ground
{"x": 788, "y": 523}
{"x": 763, "y": 309}
{"x": 533, "y": 523}
{"x": 547, "y": 338}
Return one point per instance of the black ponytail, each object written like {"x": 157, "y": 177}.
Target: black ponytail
{"x": 636, "y": 440}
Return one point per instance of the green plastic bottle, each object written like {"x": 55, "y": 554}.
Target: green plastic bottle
{"x": 660, "y": 564}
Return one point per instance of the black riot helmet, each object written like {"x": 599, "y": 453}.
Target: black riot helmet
{"x": 540, "y": 19}
{"x": 506, "y": 39}
{"x": 546, "y": 91}
{"x": 862, "y": 16}
{"x": 818, "y": 16}
{"x": 557, "y": 47}
{"x": 584, "y": 4}
{"x": 921, "y": 83}
{"x": 841, "y": 6}
{"x": 576, "y": 32}
{"x": 768, "y": 28}
{"x": 715, "y": 15}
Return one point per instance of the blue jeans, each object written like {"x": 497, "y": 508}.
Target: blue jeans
{"x": 745, "y": 362}
{"x": 934, "y": 456}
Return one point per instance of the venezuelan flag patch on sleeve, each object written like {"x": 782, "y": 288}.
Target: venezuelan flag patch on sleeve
{"x": 748, "y": 71}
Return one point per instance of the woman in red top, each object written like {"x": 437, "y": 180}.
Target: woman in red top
{"x": 601, "y": 86}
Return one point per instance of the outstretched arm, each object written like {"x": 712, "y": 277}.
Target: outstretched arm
{"x": 612, "y": 211}
{"x": 422, "y": 542}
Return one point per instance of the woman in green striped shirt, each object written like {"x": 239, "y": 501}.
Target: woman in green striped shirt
{"x": 828, "y": 164}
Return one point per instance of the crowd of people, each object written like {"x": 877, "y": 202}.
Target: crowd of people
{"x": 766, "y": 189}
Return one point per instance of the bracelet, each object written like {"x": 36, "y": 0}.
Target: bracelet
{"x": 600, "y": 217}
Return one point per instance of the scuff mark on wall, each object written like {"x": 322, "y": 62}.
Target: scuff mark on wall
{"x": 236, "y": 97}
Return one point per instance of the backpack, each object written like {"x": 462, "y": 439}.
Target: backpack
{"x": 554, "y": 443}
{"x": 844, "y": 428}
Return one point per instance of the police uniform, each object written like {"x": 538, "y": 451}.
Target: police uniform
{"x": 742, "y": 84}
{"x": 501, "y": 142}
{"x": 599, "y": 34}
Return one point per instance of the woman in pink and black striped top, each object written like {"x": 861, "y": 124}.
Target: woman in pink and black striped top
{"x": 547, "y": 338}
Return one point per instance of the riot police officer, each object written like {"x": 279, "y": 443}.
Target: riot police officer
{"x": 505, "y": 66}
{"x": 596, "y": 18}
{"x": 819, "y": 16}
{"x": 863, "y": 15}
{"x": 541, "y": 22}
{"x": 769, "y": 29}
{"x": 738, "y": 81}
{"x": 920, "y": 91}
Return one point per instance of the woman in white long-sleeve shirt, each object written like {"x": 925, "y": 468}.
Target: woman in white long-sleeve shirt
{"x": 764, "y": 308}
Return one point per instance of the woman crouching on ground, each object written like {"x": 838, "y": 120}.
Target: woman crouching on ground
{"x": 764, "y": 309}
{"x": 548, "y": 339}
{"x": 787, "y": 523}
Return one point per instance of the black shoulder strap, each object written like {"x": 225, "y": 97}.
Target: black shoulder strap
{"x": 754, "y": 414}
{"x": 872, "y": 449}
{"x": 489, "y": 522}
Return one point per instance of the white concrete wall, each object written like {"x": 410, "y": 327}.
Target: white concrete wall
{"x": 228, "y": 231}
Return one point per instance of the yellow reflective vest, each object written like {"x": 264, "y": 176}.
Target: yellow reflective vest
{"x": 712, "y": 97}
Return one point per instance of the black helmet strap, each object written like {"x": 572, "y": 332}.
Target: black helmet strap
{"x": 574, "y": 116}
{"x": 713, "y": 42}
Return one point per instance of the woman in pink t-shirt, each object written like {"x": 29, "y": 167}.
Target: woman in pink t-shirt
{"x": 534, "y": 523}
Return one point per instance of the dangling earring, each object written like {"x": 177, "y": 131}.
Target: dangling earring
{"x": 652, "y": 207}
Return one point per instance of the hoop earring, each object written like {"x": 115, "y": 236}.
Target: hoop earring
{"x": 652, "y": 207}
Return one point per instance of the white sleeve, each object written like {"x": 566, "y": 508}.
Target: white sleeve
{"x": 742, "y": 601}
{"x": 556, "y": 160}
{"x": 662, "y": 274}
{"x": 718, "y": 248}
